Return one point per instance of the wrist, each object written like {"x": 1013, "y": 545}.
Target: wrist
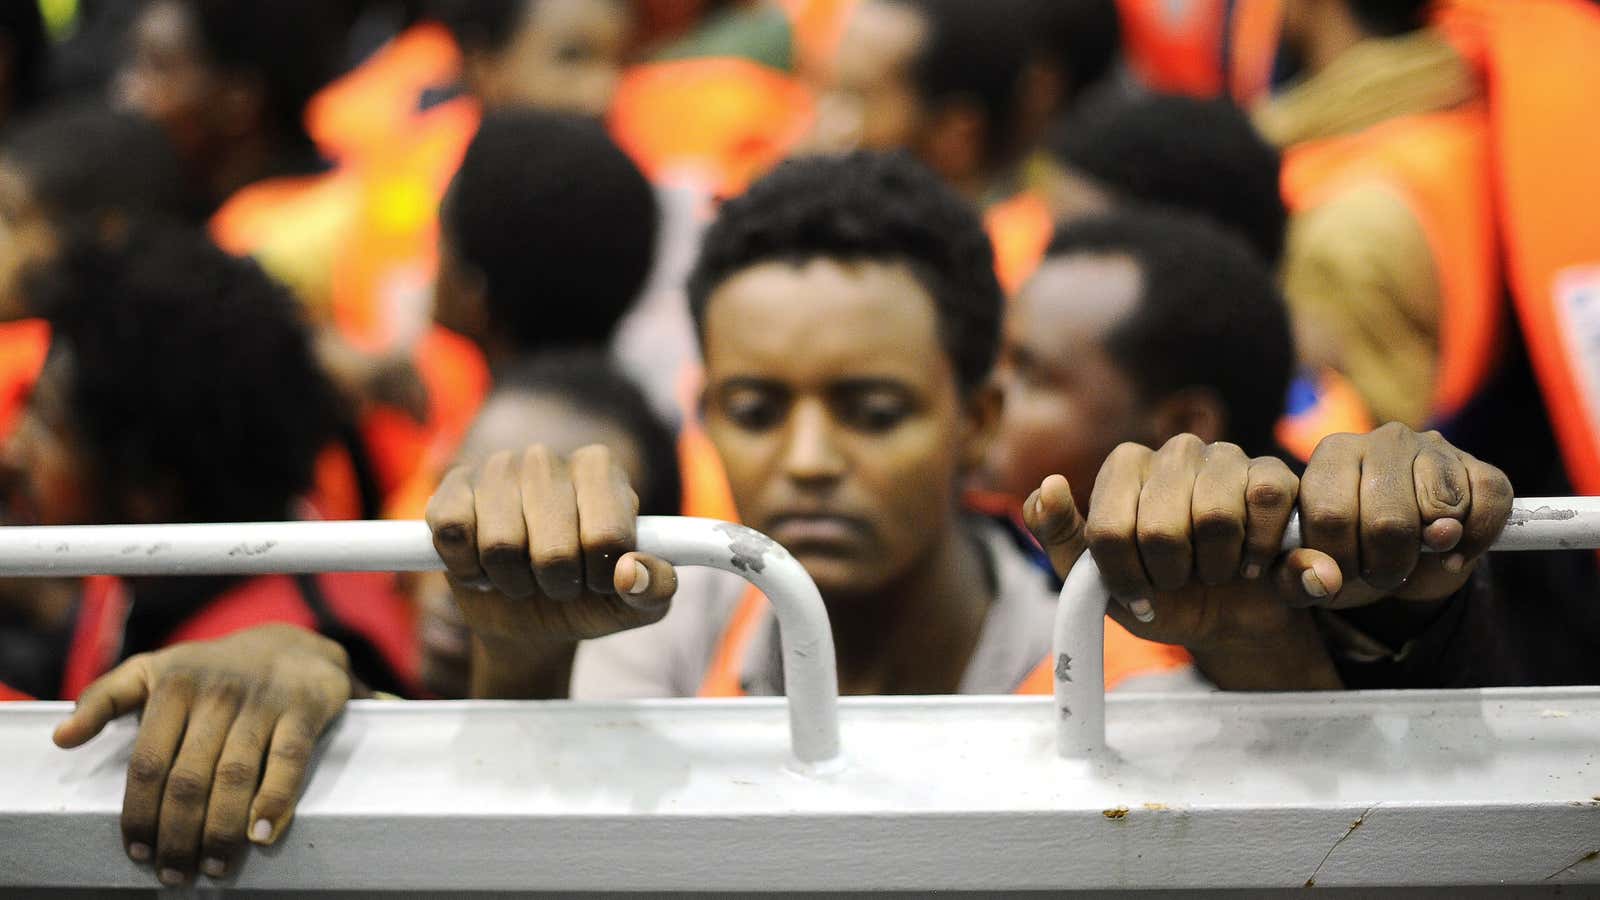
{"x": 508, "y": 669}
{"x": 1291, "y": 658}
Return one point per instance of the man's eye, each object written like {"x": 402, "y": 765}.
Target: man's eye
{"x": 572, "y": 53}
{"x": 752, "y": 412}
{"x": 877, "y": 414}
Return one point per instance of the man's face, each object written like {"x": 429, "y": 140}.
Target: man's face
{"x": 870, "y": 100}
{"x": 567, "y": 55}
{"x": 43, "y": 476}
{"x": 1067, "y": 405}
{"x": 166, "y": 78}
{"x": 838, "y": 417}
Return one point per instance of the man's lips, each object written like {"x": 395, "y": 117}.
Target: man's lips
{"x": 799, "y": 531}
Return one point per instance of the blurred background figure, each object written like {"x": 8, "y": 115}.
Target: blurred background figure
{"x": 181, "y": 387}
{"x": 1138, "y": 326}
{"x": 563, "y": 401}
{"x": 24, "y": 60}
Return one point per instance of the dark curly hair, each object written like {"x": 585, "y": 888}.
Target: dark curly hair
{"x": 186, "y": 370}
{"x": 1199, "y": 156}
{"x": 560, "y": 222}
{"x": 866, "y": 206}
{"x": 1209, "y": 316}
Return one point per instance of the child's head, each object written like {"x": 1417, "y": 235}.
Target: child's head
{"x": 547, "y": 54}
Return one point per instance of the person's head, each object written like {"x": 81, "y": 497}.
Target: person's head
{"x": 1076, "y": 44}
{"x": 941, "y": 78}
{"x": 24, "y": 57}
{"x": 1201, "y": 157}
{"x": 82, "y": 167}
{"x": 180, "y": 386}
{"x": 551, "y": 54}
{"x": 1306, "y": 22}
{"x": 570, "y": 400}
{"x": 547, "y": 234}
{"x": 218, "y": 73}
{"x": 1137, "y": 327}
{"x": 849, "y": 316}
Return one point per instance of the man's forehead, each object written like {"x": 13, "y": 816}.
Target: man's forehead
{"x": 823, "y": 321}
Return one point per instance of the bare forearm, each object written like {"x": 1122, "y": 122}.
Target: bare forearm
{"x": 1296, "y": 661}
{"x": 521, "y": 672}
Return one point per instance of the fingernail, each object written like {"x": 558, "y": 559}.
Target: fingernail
{"x": 1252, "y": 570}
{"x": 261, "y": 832}
{"x": 1454, "y": 563}
{"x": 170, "y": 877}
{"x": 214, "y": 868}
{"x": 641, "y": 579}
{"x": 1313, "y": 584}
{"x": 1142, "y": 610}
{"x": 139, "y": 852}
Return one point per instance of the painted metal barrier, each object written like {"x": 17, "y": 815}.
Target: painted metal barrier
{"x": 1536, "y": 523}
{"x": 1398, "y": 791}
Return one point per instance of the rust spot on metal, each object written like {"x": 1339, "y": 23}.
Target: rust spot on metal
{"x": 1116, "y": 812}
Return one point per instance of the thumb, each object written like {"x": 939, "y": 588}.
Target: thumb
{"x": 644, "y": 582}
{"x": 119, "y": 692}
{"x": 1307, "y": 577}
{"x": 1053, "y": 517}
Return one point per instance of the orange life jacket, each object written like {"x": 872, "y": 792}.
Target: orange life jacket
{"x": 1203, "y": 48}
{"x": 1339, "y": 409}
{"x": 717, "y": 122}
{"x": 1020, "y": 230}
{"x": 363, "y": 604}
{"x": 8, "y": 693}
{"x": 1438, "y": 165}
{"x": 1543, "y": 71}
{"x": 1125, "y": 655}
{"x": 23, "y": 347}
{"x": 367, "y": 109}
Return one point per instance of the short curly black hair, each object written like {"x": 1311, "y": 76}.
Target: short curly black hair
{"x": 186, "y": 370}
{"x": 1199, "y": 156}
{"x": 560, "y": 222}
{"x": 1210, "y": 316}
{"x": 866, "y": 206}
{"x": 1387, "y": 18}
{"x": 82, "y": 161}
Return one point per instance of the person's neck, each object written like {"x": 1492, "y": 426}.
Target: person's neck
{"x": 1331, "y": 40}
{"x": 915, "y": 635}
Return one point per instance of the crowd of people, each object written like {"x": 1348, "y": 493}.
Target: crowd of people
{"x": 937, "y": 294}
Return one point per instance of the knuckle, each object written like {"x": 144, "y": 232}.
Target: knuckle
{"x": 235, "y": 775}
{"x": 556, "y": 558}
{"x": 294, "y": 751}
{"x": 221, "y": 843}
{"x": 146, "y": 768}
{"x": 1104, "y": 535}
{"x": 272, "y": 802}
{"x": 592, "y": 455}
{"x": 1225, "y": 450}
{"x": 1128, "y": 451}
{"x": 187, "y": 788}
{"x": 1217, "y": 524}
{"x": 1162, "y": 538}
{"x": 1329, "y": 519}
{"x": 1184, "y": 443}
{"x": 1266, "y": 494}
{"x": 498, "y": 463}
{"x": 504, "y": 553}
{"x": 613, "y": 537}
{"x": 1391, "y": 527}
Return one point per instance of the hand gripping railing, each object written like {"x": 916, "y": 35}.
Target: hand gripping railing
{"x": 263, "y": 548}
{"x": 1539, "y": 523}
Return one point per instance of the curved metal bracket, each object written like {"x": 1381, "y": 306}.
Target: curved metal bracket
{"x": 258, "y": 548}
{"x": 1536, "y": 523}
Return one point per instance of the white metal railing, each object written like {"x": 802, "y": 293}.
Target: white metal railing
{"x": 1219, "y": 790}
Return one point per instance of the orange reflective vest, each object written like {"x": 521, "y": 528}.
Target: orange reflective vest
{"x": 23, "y": 347}
{"x": 1125, "y": 655}
{"x": 1020, "y": 230}
{"x": 9, "y": 693}
{"x": 364, "y": 603}
{"x": 1438, "y": 164}
{"x": 1203, "y": 48}
{"x": 717, "y": 123}
{"x": 1543, "y": 71}
{"x": 366, "y": 110}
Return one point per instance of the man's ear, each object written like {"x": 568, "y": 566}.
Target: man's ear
{"x": 1192, "y": 410}
{"x": 955, "y": 142}
{"x": 982, "y": 423}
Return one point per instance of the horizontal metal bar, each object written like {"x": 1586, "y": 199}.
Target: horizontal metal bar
{"x": 1219, "y": 791}
{"x": 1536, "y": 523}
